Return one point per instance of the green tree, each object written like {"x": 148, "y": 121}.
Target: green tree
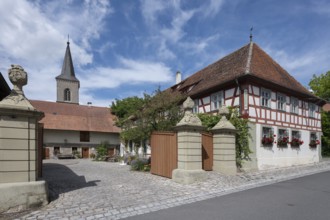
{"x": 138, "y": 117}
{"x": 321, "y": 87}
{"x": 126, "y": 108}
{"x": 102, "y": 150}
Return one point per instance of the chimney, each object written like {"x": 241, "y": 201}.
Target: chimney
{"x": 178, "y": 77}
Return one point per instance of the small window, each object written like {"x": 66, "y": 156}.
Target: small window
{"x": 294, "y": 105}
{"x": 216, "y": 100}
{"x": 311, "y": 108}
{"x": 67, "y": 95}
{"x": 56, "y": 150}
{"x": 74, "y": 150}
{"x": 313, "y": 142}
{"x": 84, "y": 136}
{"x": 283, "y": 137}
{"x": 281, "y": 102}
{"x": 195, "y": 109}
{"x": 313, "y": 136}
{"x": 296, "y": 139}
{"x": 296, "y": 134}
{"x": 265, "y": 98}
{"x": 267, "y": 136}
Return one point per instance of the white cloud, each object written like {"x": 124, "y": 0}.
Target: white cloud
{"x": 302, "y": 65}
{"x": 175, "y": 32}
{"x": 150, "y": 9}
{"x": 164, "y": 52}
{"x": 168, "y": 20}
{"x": 321, "y": 7}
{"x": 130, "y": 72}
{"x": 212, "y": 8}
{"x": 34, "y": 35}
{"x": 197, "y": 46}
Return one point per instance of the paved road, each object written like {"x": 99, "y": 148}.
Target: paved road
{"x": 83, "y": 189}
{"x": 298, "y": 199}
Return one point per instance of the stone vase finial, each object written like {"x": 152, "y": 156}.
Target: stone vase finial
{"x": 16, "y": 99}
{"x": 224, "y": 123}
{"x": 18, "y": 77}
{"x": 189, "y": 117}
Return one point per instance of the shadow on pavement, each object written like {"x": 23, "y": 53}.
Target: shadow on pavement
{"x": 61, "y": 179}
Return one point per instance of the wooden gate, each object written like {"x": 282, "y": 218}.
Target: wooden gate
{"x": 46, "y": 153}
{"x": 40, "y": 151}
{"x": 111, "y": 152}
{"x": 85, "y": 152}
{"x": 164, "y": 153}
{"x": 207, "y": 151}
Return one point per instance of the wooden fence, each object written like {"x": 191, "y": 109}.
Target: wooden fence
{"x": 164, "y": 153}
{"x": 40, "y": 151}
{"x": 207, "y": 151}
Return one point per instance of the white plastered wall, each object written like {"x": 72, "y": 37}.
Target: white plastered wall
{"x": 275, "y": 157}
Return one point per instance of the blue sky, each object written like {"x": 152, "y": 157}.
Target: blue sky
{"x": 124, "y": 48}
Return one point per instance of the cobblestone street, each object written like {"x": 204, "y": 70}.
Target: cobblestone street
{"x": 83, "y": 189}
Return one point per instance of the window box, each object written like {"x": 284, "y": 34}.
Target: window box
{"x": 282, "y": 141}
{"x": 267, "y": 140}
{"x": 296, "y": 142}
{"x": 314, "y": 143}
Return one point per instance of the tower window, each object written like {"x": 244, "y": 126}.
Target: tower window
{"x": 67, "y": 95}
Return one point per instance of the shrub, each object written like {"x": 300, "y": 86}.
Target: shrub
{"x": 139, "y": 164}
{"x": 76, "y": 154}
{"x": 102, "y": 150}
{"x": 92, "y": 155}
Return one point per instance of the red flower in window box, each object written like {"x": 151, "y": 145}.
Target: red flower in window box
{"x": 314, "y": 143}
{"x": 282, "y": 141}
{"x": 296, "y": 142}
{"x": 267, "y": 140}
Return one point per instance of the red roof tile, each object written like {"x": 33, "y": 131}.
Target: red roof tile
{"x": 248, "y": 60}
{"x": 64, "y": 116}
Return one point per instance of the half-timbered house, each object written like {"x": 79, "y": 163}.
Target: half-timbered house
{"x": 284, "y": 117}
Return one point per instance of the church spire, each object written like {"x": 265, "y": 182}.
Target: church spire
{"x": 67, "y": 84}
{"x": 67, "y": 67}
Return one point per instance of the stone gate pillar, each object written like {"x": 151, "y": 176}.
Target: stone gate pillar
{"x": 224, "y": 149}
{"x": 189, "y": 147}
{"x": 18, "y": 148}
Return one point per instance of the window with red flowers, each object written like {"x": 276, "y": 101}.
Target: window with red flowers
{"x": 283, "y": 138}
{"x": 296, "y": 139}
{"x": 267, "y": 136}
{"x": 313, "y": 140}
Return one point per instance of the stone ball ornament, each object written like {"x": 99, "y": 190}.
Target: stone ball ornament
{"x": 18, "y": 77}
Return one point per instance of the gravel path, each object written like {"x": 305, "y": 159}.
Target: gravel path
{"x": 83, "y": 189}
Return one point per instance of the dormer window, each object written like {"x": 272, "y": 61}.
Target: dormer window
{"x": 67, "y": 95}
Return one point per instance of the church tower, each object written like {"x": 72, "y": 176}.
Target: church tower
{"x": 67, "y": 84}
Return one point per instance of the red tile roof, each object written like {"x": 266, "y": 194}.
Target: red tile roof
{"x": 65, "y": 116}
{"x": 249, "y": 60}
